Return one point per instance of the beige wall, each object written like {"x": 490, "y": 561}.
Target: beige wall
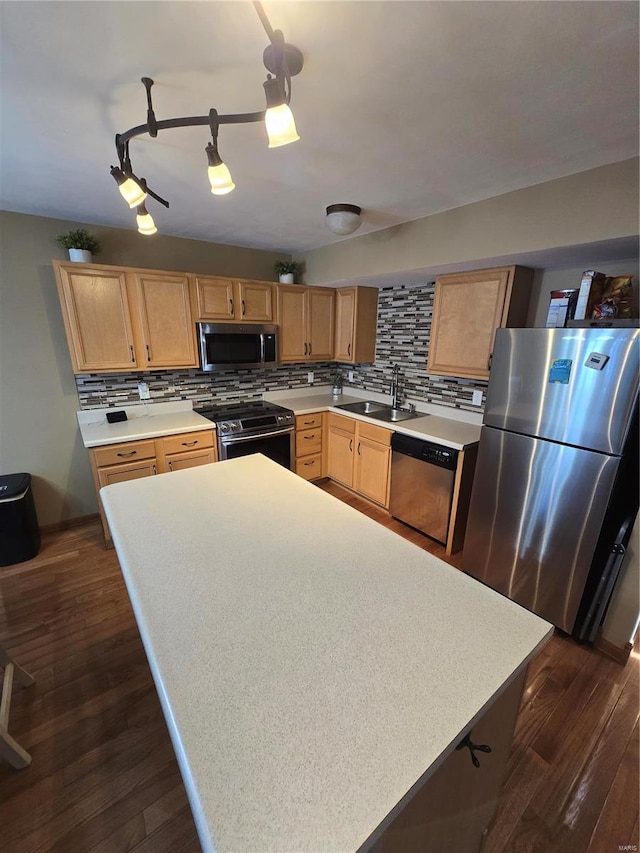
{"x": 38, "y": 401}
{"x": 590, "y": 207}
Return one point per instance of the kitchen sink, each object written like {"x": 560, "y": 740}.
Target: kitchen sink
{"x": 394, "y": 415}
{"x": 363, "y": 407}
{"x": 379, "y": 411}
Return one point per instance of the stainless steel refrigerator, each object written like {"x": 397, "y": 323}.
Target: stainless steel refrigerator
{"x": 555, "y": 492}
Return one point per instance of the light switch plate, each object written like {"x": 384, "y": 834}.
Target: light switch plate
{"x": 476, "y": 399}
{"x": 310, "y": 377}
{"x": 351, "y": 375}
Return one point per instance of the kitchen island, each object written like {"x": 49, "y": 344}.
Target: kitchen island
{"x": 316, "y": 671}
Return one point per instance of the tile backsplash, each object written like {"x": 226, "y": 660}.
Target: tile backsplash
{"x": 404, "y": 324}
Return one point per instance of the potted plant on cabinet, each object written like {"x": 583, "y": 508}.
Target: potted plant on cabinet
{"x": 80, "y": 244}
{"x": 287, "y": 271}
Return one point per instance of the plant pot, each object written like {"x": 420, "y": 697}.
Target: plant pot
{"x": 336, "y": 391}
{"x": 285, "y": 278}
{"x": 80, "y": 256}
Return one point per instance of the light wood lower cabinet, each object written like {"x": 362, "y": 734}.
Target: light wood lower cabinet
{"x": 359, "y": 456}
{"x": 115, "y": 463}
{"x": 310, "y": 443}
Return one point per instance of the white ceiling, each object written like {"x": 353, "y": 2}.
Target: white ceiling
{"x": 404, "y": 108}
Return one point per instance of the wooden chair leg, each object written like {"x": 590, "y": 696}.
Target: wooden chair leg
{"x": 10, "y": 749}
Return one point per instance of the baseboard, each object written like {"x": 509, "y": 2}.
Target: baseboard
{"x": 620, "y": 654}
{"x": 69, "y": 522}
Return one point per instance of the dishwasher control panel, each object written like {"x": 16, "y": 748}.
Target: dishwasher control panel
{"x": 426, "y": 451}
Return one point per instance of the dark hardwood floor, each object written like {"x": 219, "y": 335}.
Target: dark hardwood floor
{"x": 104, "y": 777}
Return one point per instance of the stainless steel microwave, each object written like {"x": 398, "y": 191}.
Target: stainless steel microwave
{"x": 226, "y": 345}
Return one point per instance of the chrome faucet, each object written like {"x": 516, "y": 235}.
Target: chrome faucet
{"x": 395, "y": 387}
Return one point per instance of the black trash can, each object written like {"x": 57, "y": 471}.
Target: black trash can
{"x": 19, "y": 531}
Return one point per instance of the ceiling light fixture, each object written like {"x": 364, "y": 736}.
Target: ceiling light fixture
{"x": 343, "y": 218}
{"x": 282, "y": 60}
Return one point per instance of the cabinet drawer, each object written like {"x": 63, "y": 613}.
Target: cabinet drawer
{"x": 188, "y": 441}
{"x": 180, "y": 461}
{"x": 309, "y": 467}
{"x": 313, "y": 420}
{"x": 132, "y": 451}
{"x": 308, "y": 441}
{"x": 374, "y": 433}
{"x": 341, "y": 422}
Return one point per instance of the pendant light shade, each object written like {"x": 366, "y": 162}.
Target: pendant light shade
{"x": 219, "y": 175}
{"x": 343, "y": 218}
{"x": 145, "y": 222}
{"x": 130, "y": 189}
{"x": 278, "y": 119}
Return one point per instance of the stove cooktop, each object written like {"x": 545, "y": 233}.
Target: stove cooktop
{"x": 242, "y": 411}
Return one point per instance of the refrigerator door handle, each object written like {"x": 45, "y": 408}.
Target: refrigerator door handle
{"x": 602, "y": 595}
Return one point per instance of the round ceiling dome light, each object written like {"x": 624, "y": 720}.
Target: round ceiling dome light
{"x": 343, "y": 218}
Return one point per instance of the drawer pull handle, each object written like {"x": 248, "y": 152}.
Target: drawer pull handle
{"x": 308, "y": 423}
{"x": 309, "y": 463}
{"x": 309, "y": 437}
{"x": 130, "y": 453}
{"x": 133, "y": 355}
{"x": 473, "y": 747}
{"x": 189, "y": 443}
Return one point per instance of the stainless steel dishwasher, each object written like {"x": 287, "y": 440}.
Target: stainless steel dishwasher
{"x": 422, "y": 477}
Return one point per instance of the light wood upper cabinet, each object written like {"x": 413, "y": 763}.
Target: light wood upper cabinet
{"x": 119, "y": 319}
{"x": 305, "y": 316}
{"x": 232, "y": 300}
{"x": 356, "y": 322}
{"x": 468, "y": 308}
{"x": 97, "y": 319}
{"x": 166, "y": 322}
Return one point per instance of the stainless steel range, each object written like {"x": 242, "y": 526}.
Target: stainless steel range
{"x": 253, "y": 427}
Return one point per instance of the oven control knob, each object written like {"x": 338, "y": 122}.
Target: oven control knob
{"x": 234, "y": 425}
{"x": 224, "y": 427}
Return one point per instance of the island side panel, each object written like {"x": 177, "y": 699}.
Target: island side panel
{"x": 454, "y": 808}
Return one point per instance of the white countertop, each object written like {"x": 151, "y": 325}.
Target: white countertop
{"x": 312, "y": 665}
{"x": 450, "y": 432}
{"x": 144, "y": 421}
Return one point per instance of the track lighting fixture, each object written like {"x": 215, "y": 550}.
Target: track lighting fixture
{"x": 282, "y": 60}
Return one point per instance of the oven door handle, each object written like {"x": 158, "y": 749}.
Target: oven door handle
{"x": 236, "y": 439}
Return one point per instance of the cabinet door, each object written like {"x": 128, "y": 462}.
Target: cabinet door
{"x": 292, "y": 318}
{"x": 320, "y": 322}
{"x": 215, "y": 298}
{"x": 167, "y": 325}
{"x": 180, "y": 461}
{"x": 340, "y": 455}
{"x": 97, "y": 319}
{"x": 126, "y": 471}
{"x": 255, "y": 301}
{"x": 345, "y": 314}
{"x": 467, "y": 310}
{"x": 372, "y": 462}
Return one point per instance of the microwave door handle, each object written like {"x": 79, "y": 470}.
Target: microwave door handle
{"x": 262, "y": 349}
{"x": 237, "y": 439}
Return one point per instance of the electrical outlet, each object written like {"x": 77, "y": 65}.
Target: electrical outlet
{"x": 351, "y": 375}
{"x": 143, "y": 391}
{"x": 310, "y": 377}
{"x": 476, "y": 399}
